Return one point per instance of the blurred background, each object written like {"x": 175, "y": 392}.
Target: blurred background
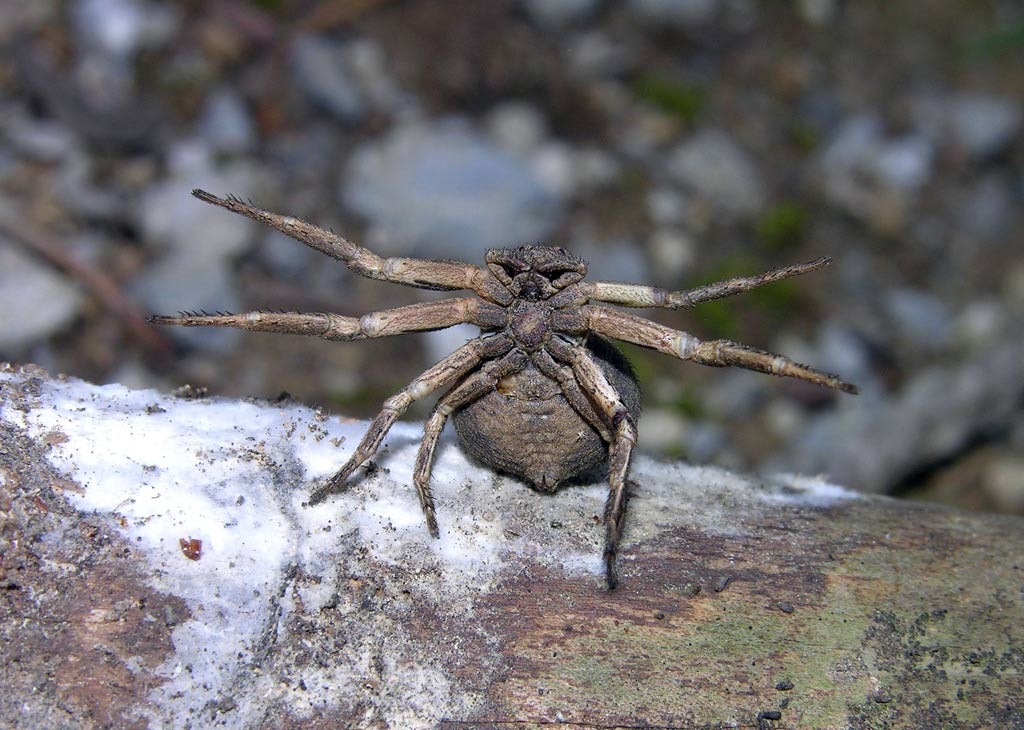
{"x": 671, "y": 142}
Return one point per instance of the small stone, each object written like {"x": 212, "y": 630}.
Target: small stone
{"x": 593, "y": 54}
{"x": 170, "y": 216}
{"x": 181, "y": 281}
{"x": 1003, "y": 481}
{"x": 553, "y": 165}
{"x": 321, "y": 69}
{"x": 920, "y": 317}
{"x": 784, "y": 606}
{"x": 120, "y": 27}
{"x": 675, "y": 12}
{"x": 784, "y": 686}
{"x": 817, "y": 12}
{"x": 556, "y": 14}
{"x": 784, "y": 419}
{"x": 39, "y": 139}
{"x": 442, "y": 189}
{"x": 872, "y": 176}
{"x": 980, "y": 321}
{"x": 666, "y": 206}
{"x": 662, "y": 430}
{"x": 35, "y": 300}
{"x": 986, "y": 211}
{"x": 517, "y": 126}
{"x": 712, "y": 165}
{"x": 226, "y": 123}
{"x": 673, "y": 253}
{"x": 984, "y": 125}
{"x": 722, "y": 582}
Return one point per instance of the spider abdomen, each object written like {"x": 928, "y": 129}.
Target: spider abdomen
{"x": 526, "y": 427}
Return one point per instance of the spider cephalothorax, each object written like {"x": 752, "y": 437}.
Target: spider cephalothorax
{"x": 535, "y": 272}
{"x": 541, "y": 394}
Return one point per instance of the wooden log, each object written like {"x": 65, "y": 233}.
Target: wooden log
{"x": 159, "y": 568}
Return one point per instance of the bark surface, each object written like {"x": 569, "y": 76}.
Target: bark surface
{"x": 762, "y": 602}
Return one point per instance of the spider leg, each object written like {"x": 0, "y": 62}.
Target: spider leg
{"x": 639, "y": 295}
{"x": 475, "y": 386}
{"x": 620, "y": 448}
{"x": 717, "y": 353}
{"x": 411, "y": 272}
{"x": 563, "y": 375}
{"x": 444, "y": 373}
{"x": 330, "y": 326}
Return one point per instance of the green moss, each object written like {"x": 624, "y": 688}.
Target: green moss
{"x": 782, "y": 226}
{"x": 682, "y": 100}
{"x": 804, "y": 137}
{"x": 689, "y": 405}
{"x": 745, "y": 648}
{"x": 997, "y": 43}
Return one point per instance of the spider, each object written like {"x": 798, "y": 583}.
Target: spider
{"x": 542, "y": 394}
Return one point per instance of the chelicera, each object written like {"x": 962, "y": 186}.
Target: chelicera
{"x": 542, "y": 394}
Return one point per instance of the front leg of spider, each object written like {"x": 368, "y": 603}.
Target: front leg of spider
{"x": 448, "y": 371}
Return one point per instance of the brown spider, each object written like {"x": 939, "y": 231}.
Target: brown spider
{"x": 541, "y": 394}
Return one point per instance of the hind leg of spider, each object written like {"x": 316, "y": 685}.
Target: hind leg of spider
{"x": 628, "y": 327}
{"x": 475, "y": 386}
{"x": 446, "y": 372}
{"x": 620, "y": 450}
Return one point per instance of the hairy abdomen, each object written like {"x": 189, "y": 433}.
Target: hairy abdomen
{"x": 528, "y": 429}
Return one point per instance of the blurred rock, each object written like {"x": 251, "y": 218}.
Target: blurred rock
{"x": 676, "y": 12}
{"x": 44, "y": 140}
{"x": 874, "y": 177}
{"x": 817, "y": 12}
{"x": 121, "y": 27}
{"x": 1003, "y": 482}
{"x": 200, "y": 241}
{"x": 784, "y": 419}
{"x": 35, "y": 300}
{"x": 554, "y": 165}
{"x": 617, "y": 260}
{"x": 840, "y": 350}
{"x": 662, "y": 430}
{"x": 367, "y": 64}
{"x": 712, "y": 165}
{"x": 979, "y": 322}
{"x": 286, "y": 257}
{"x": 226, "y": 124}
{"x": 978, "y": 125}
{"x": 78, "y": 191}
{"x": 518, "y": 126}
{"x": 873, "y": 443}
{"x": 673, "y": 253}
{"x": 667, "y": 206}
{"x": 170, "y": 216}
{"x": 556, "y": 14}
{"x": 322, "y": 70}
{"x": 987, "y": 209}
{"x": 593, "y": 53}
{"x": 441, "y": 189}
{"x": 920, "y": 317}
{"x": 182, "y": 281}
